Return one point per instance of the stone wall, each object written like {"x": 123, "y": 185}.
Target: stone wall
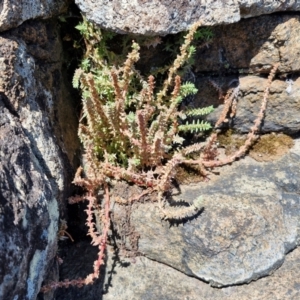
{"x": 38, "y": 141}
{"x": 251, "y": 217}
{"x": 249, "y": 224}
{"x": 161, "y": 17}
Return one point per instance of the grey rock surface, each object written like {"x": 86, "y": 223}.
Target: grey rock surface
{"x": 234, "y": 237}
{"x": 35, "y": 162}
{"x": 146, "y": 279}
{"x": 283, "y": 108}
{"x": 29, "y": 213}
{"x": 250, "y": 221}
{"x": 282, "y": 113}
{"x": 15, "y": 12}
{"x": 252, "y": 45}
{"x": 161, "y": 17}
{"x": 154, "y": 280}
{"x": 243, "y": 55}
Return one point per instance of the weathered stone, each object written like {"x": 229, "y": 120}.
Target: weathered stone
{"x": 146, "y": 279}
{"x": 283, "y": 108}
{"x": 15, "y": 12}
{"x": 142, "y": 278}
{"x": 249, "y": 223}
{"x": 159, "y": 17}
{"x": 282, "y": 113}
{"x": 253, "y": 44}
{"x": 29, "y": 213}
{"x": 252, "y": 210}
{"x": 35, "y": 162}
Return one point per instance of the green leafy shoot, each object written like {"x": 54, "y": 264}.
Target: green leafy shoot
{"x": 195, "y": 126}
{"x": 203, "y": 33}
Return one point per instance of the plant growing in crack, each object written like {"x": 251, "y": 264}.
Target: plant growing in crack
{"x": 130, "y": 130}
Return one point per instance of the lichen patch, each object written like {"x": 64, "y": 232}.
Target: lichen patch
{"x": 270, "y": 147}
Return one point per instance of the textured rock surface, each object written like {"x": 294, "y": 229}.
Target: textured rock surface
{"x": 15, "y": 12}
{"x": 35, "y": 166}
{"x": 29, "y": 213}
{"x": 161, "y": 17}
{"x": 282, "y": 114}
{"x": 146, "y": 279}
{"x": 252, "y": 210}
{"x": 253, "y": 44}
{"x": 283, "y": 104}
{"x": 233, "y": 238}
{"x": 250, "y": 221}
